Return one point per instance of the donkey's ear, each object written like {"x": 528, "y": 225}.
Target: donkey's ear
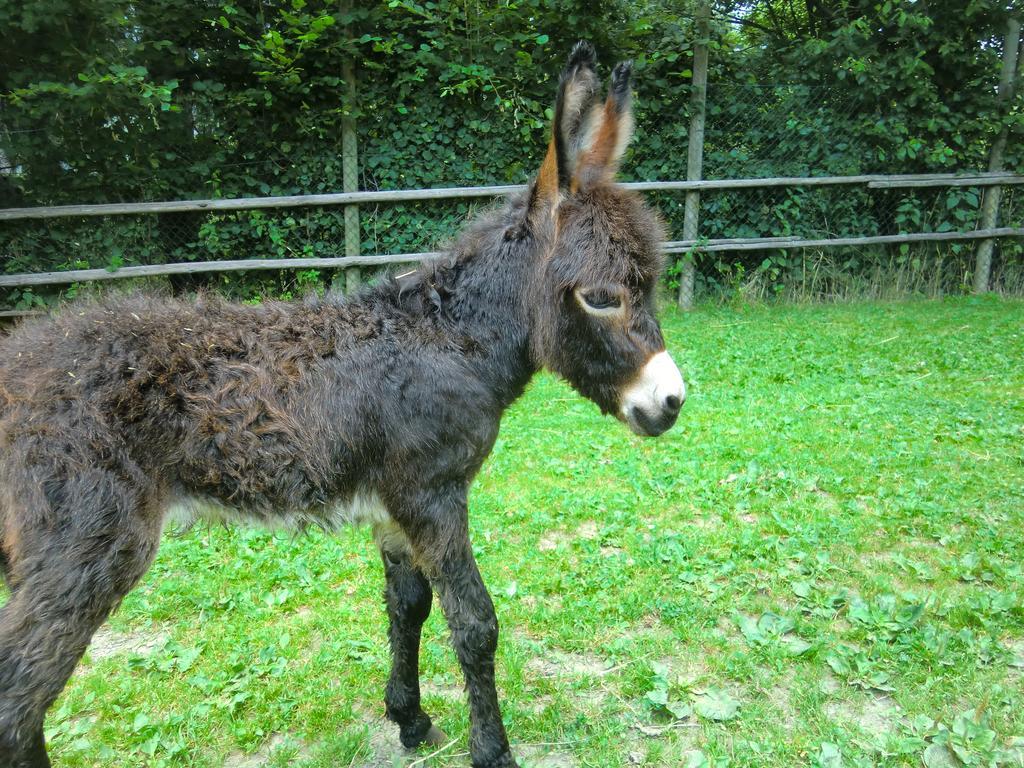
{"x": 575, "y": 111}
{"x": 607, "y": 140}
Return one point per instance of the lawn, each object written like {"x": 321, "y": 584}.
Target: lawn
{"x": 821, "y": 565}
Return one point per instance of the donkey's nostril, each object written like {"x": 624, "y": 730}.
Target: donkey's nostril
{"x": 673, "y": 403}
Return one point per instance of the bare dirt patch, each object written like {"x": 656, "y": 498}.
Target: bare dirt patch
{"x": 587, "y": 530}
{"x": 106, "y": 643}
{"x": 544, "y": 756}
{"x": 1016, "y": 649}
{"x": 877, "y": 715}
{"x": 312, "y": 648}
{"x": 562, "y": 664}
{"x": 636, "y": 757}
{"x": 781, "y": 697}
{"x": 829, "y": 682}
{"x": 386, "y": 751}
{"x": 565, "y": 667}
{"x": 538, "y": 704}
{"x": 704, "y": 521}
{"x": 676, "y": 744}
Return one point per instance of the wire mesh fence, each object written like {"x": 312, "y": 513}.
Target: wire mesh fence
{"x": 752, "y": 131}
{"x": 782, "y": 129}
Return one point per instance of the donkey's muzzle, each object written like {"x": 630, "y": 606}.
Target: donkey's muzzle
{"x": 646, "y": 425}
{"x": 651, "y": 403}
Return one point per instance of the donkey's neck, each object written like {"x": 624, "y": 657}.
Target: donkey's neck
{"x": 484, "y": 291}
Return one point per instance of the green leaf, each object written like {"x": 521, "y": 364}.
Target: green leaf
{"x": 542, "y": 39}
{"x": 716, "y": 704}
{"x": 661, "y": 673}
{"x": 801, "y": 589}
{"x": 838, "y": 662}
{"x": 658, "y": 697}
{"x": 773, "y": 624}
{"x": 796, "y": 645}
{"x": 748, "y": 627}
{"x": 939, "y": 756}
{"x": 829, "y": 756}
{"x": 679, "y": 710}
{"x": 879, "y": 681}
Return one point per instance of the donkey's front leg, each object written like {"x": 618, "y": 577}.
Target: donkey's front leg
{"x": 408, "y": 598}
{"x": 474, "y": 628}
{"x": 436, "y": 520}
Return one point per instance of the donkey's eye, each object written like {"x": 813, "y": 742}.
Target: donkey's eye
{"x": 599, "y": 301}
{"x": 602, "y": 300}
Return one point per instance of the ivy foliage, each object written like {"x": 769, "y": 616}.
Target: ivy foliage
{"x": 112, "y": 100}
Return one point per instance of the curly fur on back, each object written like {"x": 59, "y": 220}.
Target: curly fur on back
{"x": 379, "y": 408}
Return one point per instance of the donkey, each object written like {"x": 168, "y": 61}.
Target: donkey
{"x": 376, "y": 409}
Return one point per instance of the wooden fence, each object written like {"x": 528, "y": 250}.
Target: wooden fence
{"x": 690, "y": 245}
{"x": 695, "y": 151}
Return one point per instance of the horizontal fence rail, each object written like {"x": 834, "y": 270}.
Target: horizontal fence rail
{"x": 873, "y": 181}
{"x": 763, "y": 243}
{"x": 196, "y": 267}
{"x": 253, "y": 203}
{"x": 396, "y": 196}
{"x": 671, "y": 246}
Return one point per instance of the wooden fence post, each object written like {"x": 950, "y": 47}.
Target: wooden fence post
{"x": 990, "y": 205}
{"x": 695, "y": 151}
{"x": 350, "y": 176}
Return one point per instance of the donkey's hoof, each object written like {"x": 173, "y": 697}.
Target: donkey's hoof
{"x": 435, "y": 737}
{"x": 421, "y": 731}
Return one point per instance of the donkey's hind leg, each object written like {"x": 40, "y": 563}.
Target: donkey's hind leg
{"x": 88, "y": 541}
{"x": 408, "y": 598}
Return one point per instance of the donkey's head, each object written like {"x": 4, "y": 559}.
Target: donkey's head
{"x": 593, "y": 315}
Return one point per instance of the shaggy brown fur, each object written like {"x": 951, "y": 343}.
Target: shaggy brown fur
{"x": 379, "y": 409}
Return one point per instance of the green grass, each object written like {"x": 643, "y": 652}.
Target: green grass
{"x": 831, "y": 539}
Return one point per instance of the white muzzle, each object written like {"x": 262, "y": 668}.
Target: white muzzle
{"x": 651, "y": 403}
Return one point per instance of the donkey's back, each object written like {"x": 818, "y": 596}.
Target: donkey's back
{"x": 112, "y": 414}
{"x": 282, "y": 413}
